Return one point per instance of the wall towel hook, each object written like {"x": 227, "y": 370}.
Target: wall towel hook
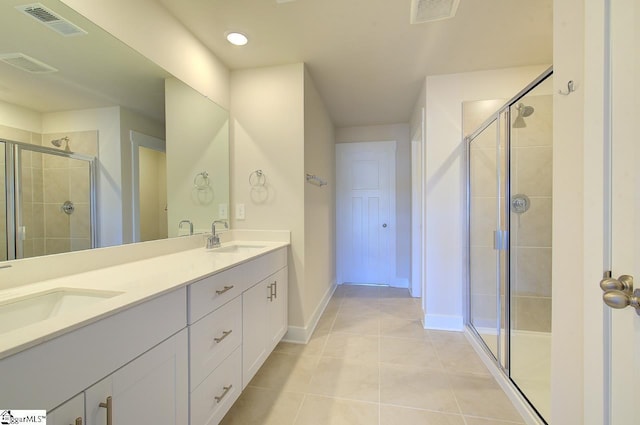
{"x": 570, "y": 89}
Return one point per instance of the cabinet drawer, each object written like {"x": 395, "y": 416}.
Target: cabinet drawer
{"x": 214, "y": 397}
{"x": 210, "y": 293}
{"x": 213, "y": 338}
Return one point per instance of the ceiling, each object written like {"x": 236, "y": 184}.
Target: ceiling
{"x": 366, "y": 59}
{"x": 94, "y": 70}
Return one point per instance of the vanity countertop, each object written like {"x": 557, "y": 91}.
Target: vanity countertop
{"x": 112, "y": 289}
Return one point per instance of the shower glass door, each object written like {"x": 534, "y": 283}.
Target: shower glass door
{"x": 4, "y": 237}
{"x": 47, "y": 201}
{"x": 485, "y": 295}
{"x": 510, "y": 242}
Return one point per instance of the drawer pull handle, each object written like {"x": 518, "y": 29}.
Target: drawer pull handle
{"x": 109, "y": 406}
{"x": 275, "y": 289}
{"x": 78, "y": 421}
{"x": 270, "y": 296}
{"x": 224, "y": 393}
{"x": 223, "y": 290}
{"x": 224, "y": 335}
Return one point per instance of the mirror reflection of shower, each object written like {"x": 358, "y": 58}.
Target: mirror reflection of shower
{"x": 58, "y": 143}
{"x": 523, "y": 112}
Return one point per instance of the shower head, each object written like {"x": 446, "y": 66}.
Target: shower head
{"x": 58, "y": 143}
{"x": 523, "y": 111}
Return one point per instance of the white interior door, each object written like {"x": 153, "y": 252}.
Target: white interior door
{"x": 365, "y": 219}
{"x": 624, "y": 367}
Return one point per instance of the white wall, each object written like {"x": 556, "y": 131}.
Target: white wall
{"x": 19, "y": 117}
{"x": 267, "y": 129}
{"x": 279, "y": 125}
{"x": 402, "y": 135}
{"x": 568, "y": 393}
{"x": 445, "y": 180}
{"x": 150, "y": 29}
{"x": 319, "y": 202}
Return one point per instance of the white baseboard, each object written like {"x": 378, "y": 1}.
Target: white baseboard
{"x": 517, "y": 399}
{"x": 400, "y": 282}
{"x": 302, "y": 335}
{"x": 443, "y": 322}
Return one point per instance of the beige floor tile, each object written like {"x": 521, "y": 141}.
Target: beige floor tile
{"x": 410, "y": 386}
{"x": 360, "y": 306}
{"x": 482, "y": 396}
{"x": 313, "y": 348}
{"x": 346, "y": 379}
{"x": 257, "y": 406}
{"x": 461, "y": 358}
{"x": 409, "y": 352}
{"x": 286, "y": 372}
{"x": 361, "y": 291}
{"x": 402, "y": 328}
{"x": 393, "y": 415}
{"x": 447, "y": 337}
{"x": 318, "y": 410}
{"x": 399, "y": 308}
{"x": 483, "y": 421}
{"x": 388, "y": 293}
{"x": 368, "y": 324}
{"x": 353, "y": 347}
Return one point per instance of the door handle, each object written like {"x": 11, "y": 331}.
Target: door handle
{"x": 619, "y": 293}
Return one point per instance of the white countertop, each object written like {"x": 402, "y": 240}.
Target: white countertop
{"x": 138, "y": 281}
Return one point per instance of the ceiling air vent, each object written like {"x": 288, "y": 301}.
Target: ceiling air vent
{"x": 26, "y": 63}
{"x": 432, "y": 10}
{"x": 51, "y": 19}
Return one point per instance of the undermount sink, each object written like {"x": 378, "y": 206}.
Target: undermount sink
{"x": 22, "y": 311}
{"x": 239, "y": 248}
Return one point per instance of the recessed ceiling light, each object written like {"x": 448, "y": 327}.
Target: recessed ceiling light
{"x": 237, "y": 38}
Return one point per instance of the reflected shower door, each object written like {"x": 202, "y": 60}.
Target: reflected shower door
{"x": 4, "y": 237}
{"x": 484, "y": 219}
{"x": 53, "y": 203}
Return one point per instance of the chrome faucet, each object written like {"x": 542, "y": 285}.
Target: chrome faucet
{"x": 189, "y": 223}
{"x": 213, "y": 240}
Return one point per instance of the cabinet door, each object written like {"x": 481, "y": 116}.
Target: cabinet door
{"x": 254, "y": 329}
{"x": 70, "y": 413}
{"x": 277, "y": 309}
{"x": 152, "y": 389}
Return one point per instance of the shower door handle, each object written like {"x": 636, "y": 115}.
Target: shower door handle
{"x": 619, "y": 293}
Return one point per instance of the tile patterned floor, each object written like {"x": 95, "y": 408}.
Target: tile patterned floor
{"x": 370, "y": 362}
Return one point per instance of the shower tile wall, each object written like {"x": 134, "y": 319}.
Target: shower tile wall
{"x": 66, "y": 179}
{"x": 531, "y": 174}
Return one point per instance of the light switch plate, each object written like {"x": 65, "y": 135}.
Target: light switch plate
{"x": 239, "y": 211}
{"x": 223, "y": 211}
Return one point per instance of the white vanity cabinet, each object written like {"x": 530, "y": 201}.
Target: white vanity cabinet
{"x": 152, "y": 389}
{"x": 218, "y": 334}
{"x": 70, "y": 413}
{"x": 264, "y": 321}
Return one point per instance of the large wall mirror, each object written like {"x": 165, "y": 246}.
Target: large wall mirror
{"x": 98, "y": 145}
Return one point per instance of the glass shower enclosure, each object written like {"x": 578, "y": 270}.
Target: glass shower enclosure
{"x": 47, "y": 201}
{"x": 509, "y": 196}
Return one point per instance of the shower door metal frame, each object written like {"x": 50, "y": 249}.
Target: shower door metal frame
{"x": 505, "y": 111}
{"x": 13, "y": 159}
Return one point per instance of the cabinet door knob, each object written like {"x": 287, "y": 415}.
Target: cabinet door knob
{"x": 109, "y": 406}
